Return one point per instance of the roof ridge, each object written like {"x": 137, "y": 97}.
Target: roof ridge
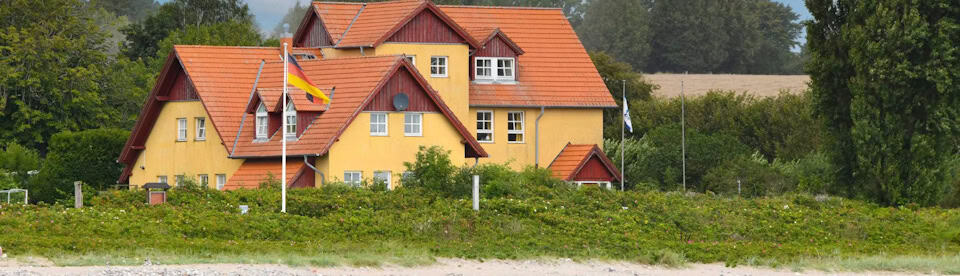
{"x": 342, "y": 58}
{"x": 499, "y": 7}
{"x": 229, "y": 46}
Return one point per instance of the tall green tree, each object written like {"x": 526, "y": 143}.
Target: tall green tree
{"x": 88, "y": 156}
{"x": 884, "y": 75}
{"x": 293, "y": 17}
{"x": 134, "y": 10}
{"x": 142, "y": 37}
{"x": 51, "y": 61}
{"x": 603, "y": 30}
{"x": 689, "y": 36}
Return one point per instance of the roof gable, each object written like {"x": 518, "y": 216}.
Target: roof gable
{"x": 358, "y": 81}
{"x": 497, "y": 44}
{"x": 583, "y": 163}
{"x": 371, "y": 24}
{"x": 402, "y": 82}
{"x": 427, "y": 27}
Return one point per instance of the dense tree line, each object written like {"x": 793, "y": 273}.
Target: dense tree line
{"x": 696, "y": 36}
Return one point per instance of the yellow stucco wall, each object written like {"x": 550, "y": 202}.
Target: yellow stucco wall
{"x": 164, "y": 155}
{"x": 454, "y": 89}
{"x": 557, "y": 128}
{"x": 357, "y": 150}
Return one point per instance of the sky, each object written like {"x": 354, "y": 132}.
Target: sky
{"x": 269, "y": 12}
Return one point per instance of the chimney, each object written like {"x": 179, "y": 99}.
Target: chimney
{"x": 287, "y": 37}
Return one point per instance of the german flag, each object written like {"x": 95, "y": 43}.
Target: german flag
{"x": 296, "y": 77}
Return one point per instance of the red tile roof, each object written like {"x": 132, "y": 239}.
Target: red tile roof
{"x": 555, "y": 70}
{"x": 254, "y": 171}
{"x": 355, "y": 80}
{"x": 571, "y": 160}
{"x": 370, "y": 24}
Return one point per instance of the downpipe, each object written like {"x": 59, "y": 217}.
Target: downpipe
{"x": 536, "y": 142}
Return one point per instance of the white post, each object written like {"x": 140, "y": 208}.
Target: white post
{"x": 283, "y": 137}
{"x": 25, "y": 193}
{"x": 683, "y": 134}
{"x": 78, "y": 194}
{"x": 476, "y": 192}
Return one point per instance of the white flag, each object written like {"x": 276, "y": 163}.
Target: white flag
{"x": 626, "y": 114}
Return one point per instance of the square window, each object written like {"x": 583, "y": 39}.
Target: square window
{"x": 505, "y": 69}
{"x": 378, "y": 124}
{"x": 290, "y": 132}
{"x": 221, "y": 181}
{"x": 382, "y": 177}
{"x": 353, "y": 178}
{"x": 179, "y": 179}
{"x": 181, "y": 129}
{"x": 485, "y": 126}
{"x": 201, "y": 129}
{"x": 438, "y": 66}
{"x": 413, "y": 124}
{"x": 203, "y": 179}
{"x": 484, "y": 68}
{"x": 162, "y": 179}
{"x": 515, "y": 127}
{"x": 411, "y": 59}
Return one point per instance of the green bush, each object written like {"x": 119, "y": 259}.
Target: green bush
{"x": 89, "y": 156}
{"x": 652, "y": 227}
{"x": 747, "y": 176}
{"x": 433, "y": 171}
{"x": 16, "y": 163}
{"x": 704, "y": 152}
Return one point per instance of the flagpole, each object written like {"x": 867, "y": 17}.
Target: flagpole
{"x": 283, "y": 138}
{"x": 623, "y": 124}
{"x": 683, "y": 134}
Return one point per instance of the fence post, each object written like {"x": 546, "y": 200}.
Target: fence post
{"x": 476, "y": 192}
{"x": 77, "y": 194}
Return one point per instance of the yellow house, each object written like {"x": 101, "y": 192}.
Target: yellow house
{"x": 490, "y": 84}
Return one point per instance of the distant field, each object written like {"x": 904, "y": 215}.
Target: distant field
{"x": 699, "y": 84}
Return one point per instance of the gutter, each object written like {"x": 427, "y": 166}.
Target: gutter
{"x": 323, "y": 178}
{"x": 536, "y": 136}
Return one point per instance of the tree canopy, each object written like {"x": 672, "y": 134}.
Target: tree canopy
{"x": 884, "y": 76}
{"x": 143, "y": 37}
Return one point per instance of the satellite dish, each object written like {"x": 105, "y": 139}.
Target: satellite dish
{"x": 401, "y": 101}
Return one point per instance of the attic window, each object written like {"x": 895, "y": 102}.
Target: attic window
{"x": 495, "y": 69}
{"x": 290, "y": 132}
{"x": 262, "y": 122}
{"x": 304, "y": 56}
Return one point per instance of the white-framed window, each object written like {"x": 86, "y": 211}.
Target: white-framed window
{"x": 413, "y": 124}
{"x": 378, "y": 124}
{"x": 382, "y": 176}
{"x": 438, "y": 66}
{"x": 291, "y": 130}
{"x": 412, "y": 59}
{"x": 485, "y": 126}
{"x": 201, "y": 129}
{"x": 353, "y": 178}
{"x": 515, "y": 127}
{"x": 221, "y": 181}
{"x": 406, "y": 175}
{"x": 203, "y": 179}
{"x": 162, "y": 179}
{"x": 181, "y": 129}
{"x": 262, "y": 121}
{"x": 495, "y": 69}
{"x": 179, "y": 179}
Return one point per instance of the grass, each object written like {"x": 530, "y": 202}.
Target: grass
{"x": 332, "y": 227}
{"x": 947, "y": 264}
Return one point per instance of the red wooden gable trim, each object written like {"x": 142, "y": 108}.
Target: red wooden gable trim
{"x": 146, "y": 119}
{"x": 598, "y": 155}
{"x": 312, "y": 32}
{"x": 594, "y": 170}
{"x": 402, "y": 82}
{"x": 305, "y": 177}
{"x": 472, "y": 148}
{"x": 497, "y": 44}
{"x": 428, "y": 5}
{"x": 426, "y": 27}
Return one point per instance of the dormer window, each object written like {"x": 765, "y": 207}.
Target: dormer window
{"x": 495, "y": 69}
{"x": 262, "y": 120}
{"x": 291, "y": 130}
